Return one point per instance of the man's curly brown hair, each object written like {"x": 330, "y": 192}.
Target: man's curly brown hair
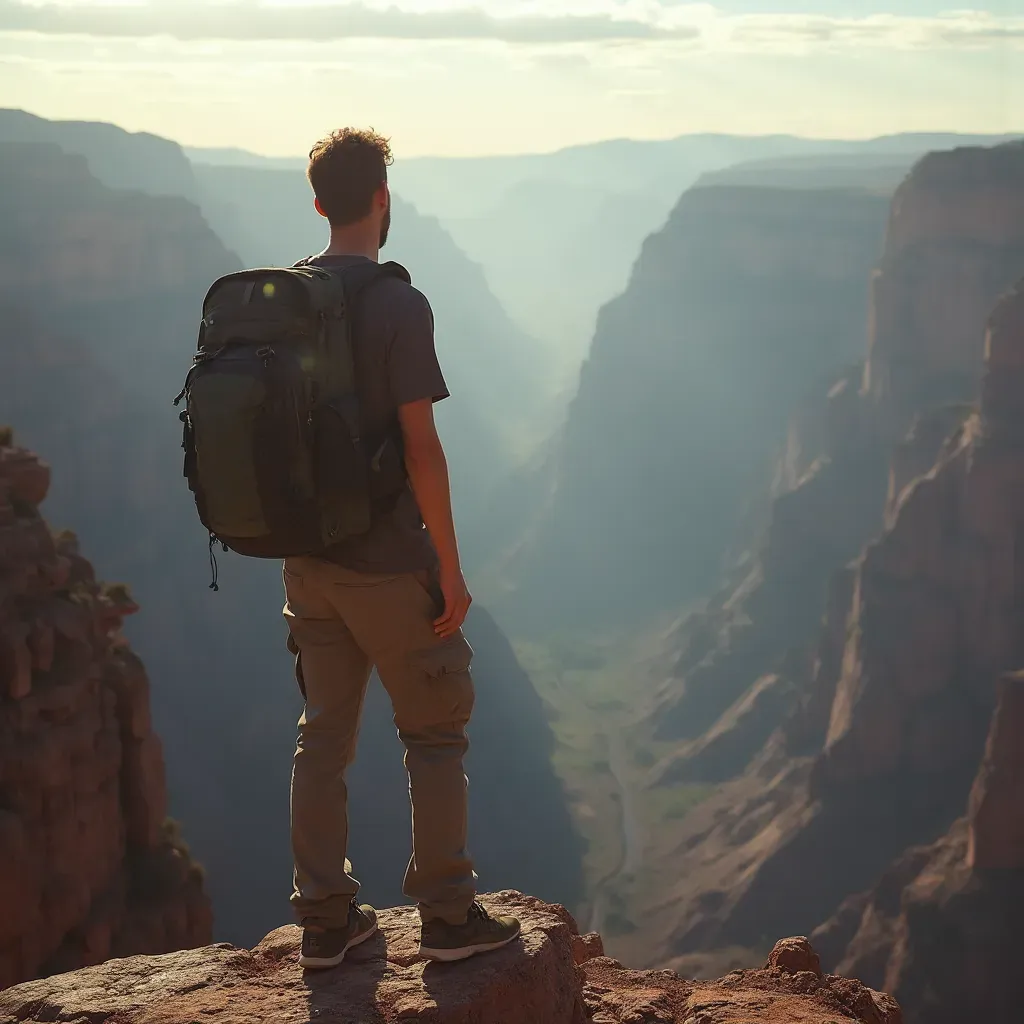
{"x": 345, "y": 169}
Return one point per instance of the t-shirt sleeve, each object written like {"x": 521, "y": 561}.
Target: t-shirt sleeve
{"x": 413, "y": 370}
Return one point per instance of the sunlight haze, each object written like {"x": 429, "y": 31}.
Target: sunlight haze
{"x": 454, "y": 77}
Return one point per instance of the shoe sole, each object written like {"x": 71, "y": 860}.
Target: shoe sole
{"x": 320, "y": 963}
{"x": 448, "y": 956}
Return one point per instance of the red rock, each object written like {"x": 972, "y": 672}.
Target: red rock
{"x": 145, "y": 791}
{"x": 41, "y": 644}
{"x": 15, "y": 663}
{"x": 533, "y": 981}
{"x": 793, "y": 956}
{"x": 73, "y": 792}
{"x": 996, "y": 837}
{"x": 587, "y": 947}
{"x": 19, "y": 879}
{"x": 954, "y": 231}
{"x": 25, "y": 475}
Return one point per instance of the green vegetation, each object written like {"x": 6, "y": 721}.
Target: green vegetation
{"x": 6, "y": 437}
{"x": 675, "y": 802}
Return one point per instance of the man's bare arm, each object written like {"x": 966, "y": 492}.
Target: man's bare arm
{"x": 427, "y": 467}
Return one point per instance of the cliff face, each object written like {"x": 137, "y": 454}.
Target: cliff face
{"x": 955, "y": 242}
{"x": 889, "y": 698}
{"x": 747, "y": 300}
{"x": 552, "y": 974}
{"x": 955, "y": 231}
{"x": 90, "y": 381}
{"x": 940, "y": 925}
{"x": 89, "y": 865}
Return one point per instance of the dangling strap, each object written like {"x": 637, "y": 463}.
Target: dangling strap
{"x": 214, "y": 571}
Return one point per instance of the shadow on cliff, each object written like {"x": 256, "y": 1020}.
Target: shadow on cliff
{"x": 364, "y": 969}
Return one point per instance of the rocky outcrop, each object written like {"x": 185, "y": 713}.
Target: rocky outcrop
{"x": 940, "y": 927}
{"x": 89, "y": 865}
{"x": 955, "y": 242}
{"x": 551, "y": 975}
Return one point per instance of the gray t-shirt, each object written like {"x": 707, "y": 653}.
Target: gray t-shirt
{"x": 395, "y": 363}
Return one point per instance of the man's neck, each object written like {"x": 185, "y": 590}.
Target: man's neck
{"x": 351, "y": 243}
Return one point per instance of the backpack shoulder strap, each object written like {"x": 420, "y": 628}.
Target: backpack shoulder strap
{"x": 357, "y": 279}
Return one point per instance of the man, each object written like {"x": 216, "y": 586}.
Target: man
{"x": 395, "y": 599}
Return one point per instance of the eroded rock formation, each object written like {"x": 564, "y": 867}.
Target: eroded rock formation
{"x": 551, "y": 976}
{"x": 894, "y": 697}
{"x": 941, "y": 926}
{"x": 876, "y": 430}
{"x": 90, "y": 867}
{"x": 955, "y": 242}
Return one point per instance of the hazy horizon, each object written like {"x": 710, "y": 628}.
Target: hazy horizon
{"x": 455, "y": 78}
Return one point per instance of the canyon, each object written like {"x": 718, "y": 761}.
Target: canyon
{"x": 839, "y": 696}
{"x": 803, "y": 416}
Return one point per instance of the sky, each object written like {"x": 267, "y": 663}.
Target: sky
{"x": 475, "y": 77}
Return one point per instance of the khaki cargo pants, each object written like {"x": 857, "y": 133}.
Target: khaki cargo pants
{"x": 343, "y": 624}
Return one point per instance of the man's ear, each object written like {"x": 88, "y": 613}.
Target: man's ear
{"x": 319, "y": 209}
{"x": 384, "y": 195}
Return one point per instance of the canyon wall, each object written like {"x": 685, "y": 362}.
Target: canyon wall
{"x": 90, "y": 865}
{"x": 747, "y": 301}
{"x": 872, "y": 720}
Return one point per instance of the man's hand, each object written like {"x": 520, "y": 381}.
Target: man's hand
{"x": 457, "y": 600}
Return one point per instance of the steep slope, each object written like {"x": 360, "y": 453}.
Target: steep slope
{"x": 940, "y": 925}
{"x": 89, "y": 865}
{"x": 93, "y": 349}
{"x": 891, "y": 704}
{"x": 746, "y": 301}
{"x": 941, "y": 273}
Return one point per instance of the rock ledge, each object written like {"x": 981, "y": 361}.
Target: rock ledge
{"x": 549, "y": 977}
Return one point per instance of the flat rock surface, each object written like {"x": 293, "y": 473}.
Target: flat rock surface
{"x": 384, "y": 980}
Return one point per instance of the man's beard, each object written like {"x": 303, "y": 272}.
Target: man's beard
{"x": 385, "y": 226}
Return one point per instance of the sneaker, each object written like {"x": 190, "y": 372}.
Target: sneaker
{"x": 481, "y": 933}
{"x": 327, "y": 948}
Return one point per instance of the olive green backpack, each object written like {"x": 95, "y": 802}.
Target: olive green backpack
{"x": 275, "y": 453}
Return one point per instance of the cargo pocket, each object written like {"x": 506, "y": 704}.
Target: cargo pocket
{"x": 452, "y": 656}
{"x": 449, "y": 684}
{"x": 293, "y": 648}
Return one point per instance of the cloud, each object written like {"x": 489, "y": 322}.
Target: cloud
{"x": 956, "y": 30}
{"x": 546, "y": 23}
{"x": 247, "y": 22}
